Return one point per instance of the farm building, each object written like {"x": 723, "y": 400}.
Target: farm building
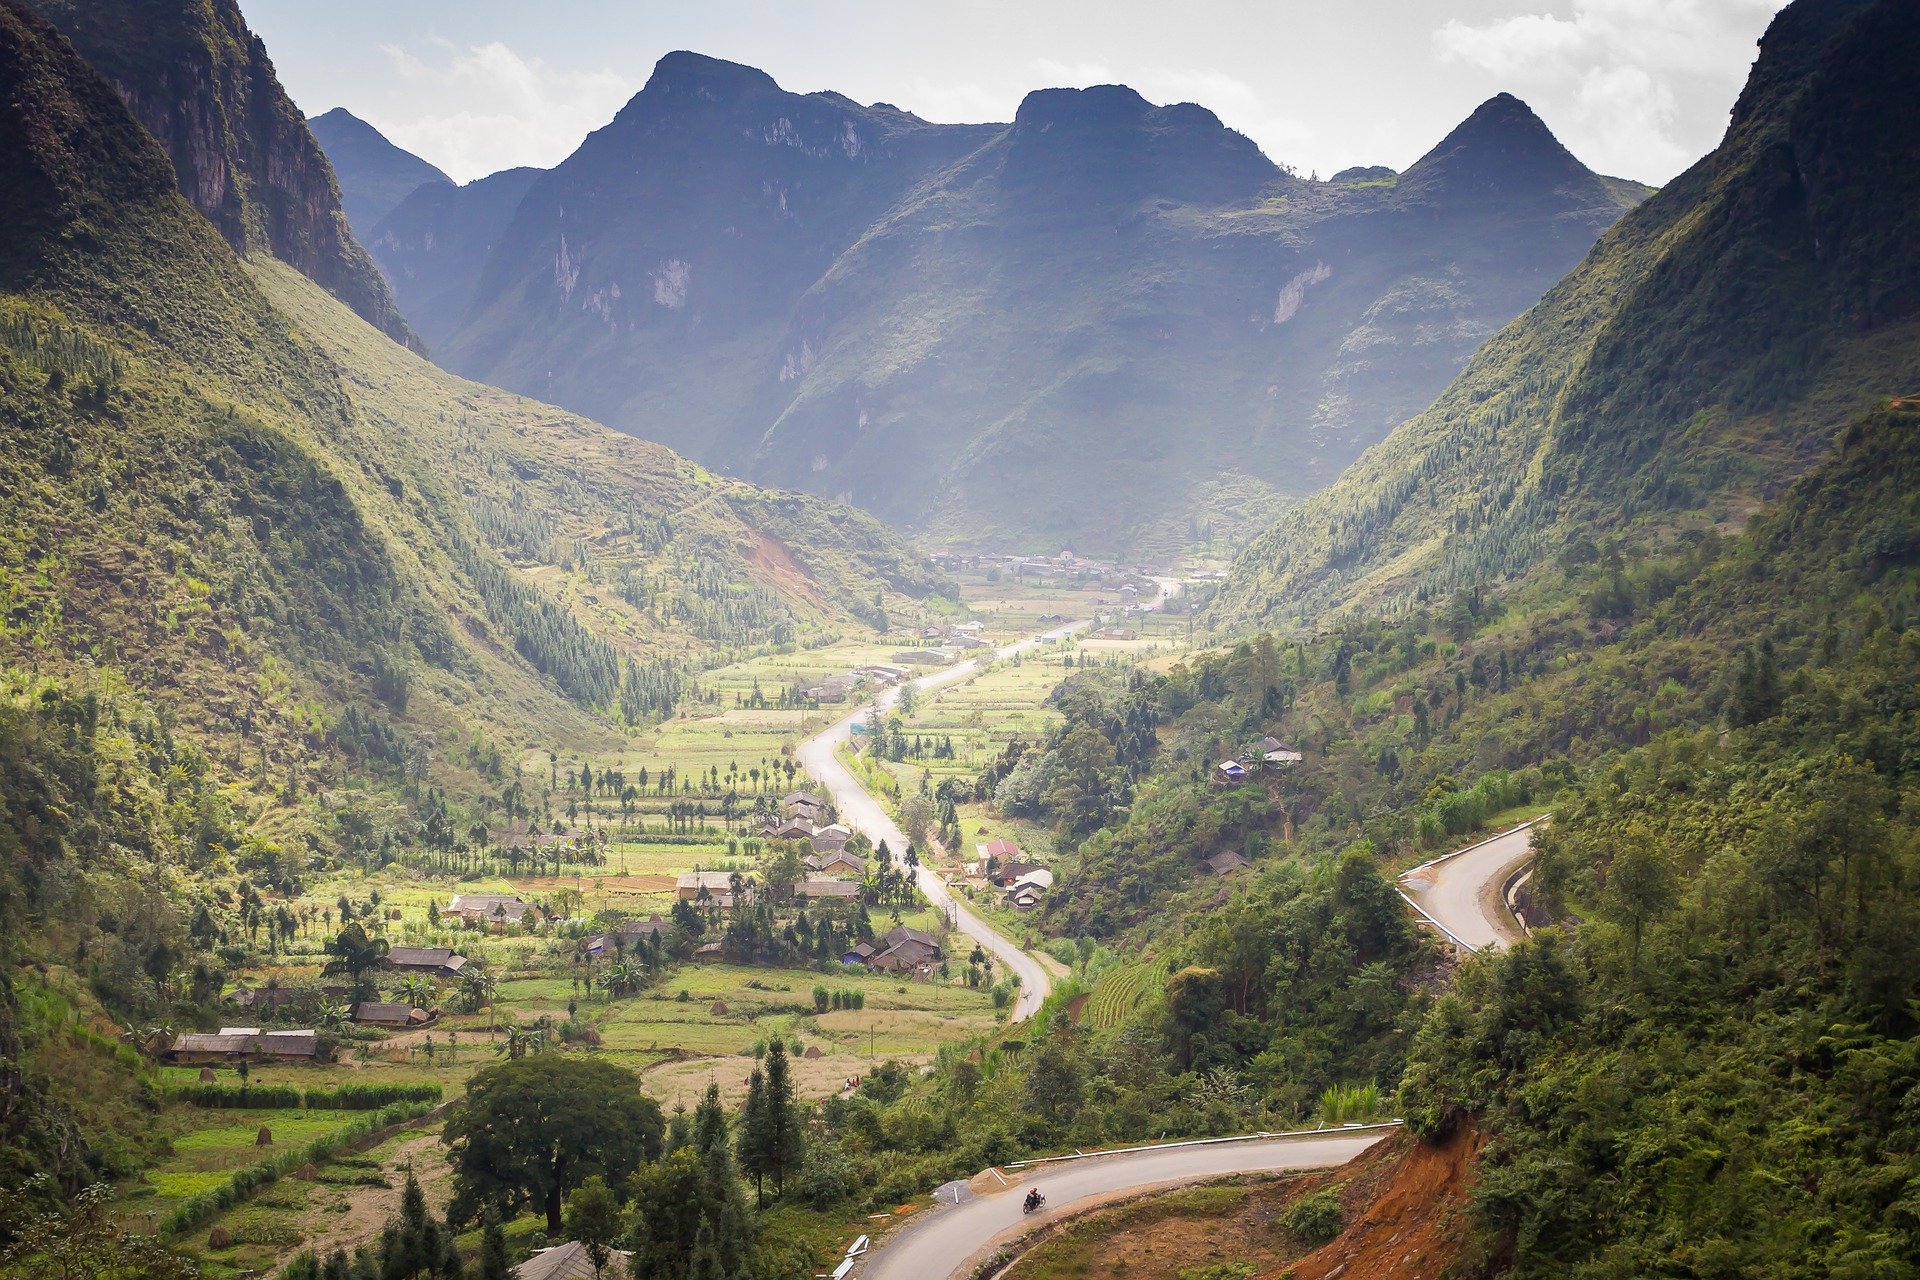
{"x": 1232, "y": 771}
{"x": 372, "y": 1013}
{"x": 717, "y": 886}
{"x": 441, "y": 961}
{"x": 231, "y": 1044}
{"x": 1274, "y": 751}
{"x": 818, "y": 887}
{"x": 1226, "y": 862}
{"x": 488, "y": 908}
{"x": 570, "y": 1261}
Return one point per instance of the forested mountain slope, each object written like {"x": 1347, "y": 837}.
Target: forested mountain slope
{"x": 201, "y": 82}
{"x": 1107, "y": 323}
{"x": 373, "y": 174}
{"x": 1704, "y": 353}
{"x": 264, "y": 569}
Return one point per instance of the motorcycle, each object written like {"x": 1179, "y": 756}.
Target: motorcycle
{"x": 1034, "y": 1201}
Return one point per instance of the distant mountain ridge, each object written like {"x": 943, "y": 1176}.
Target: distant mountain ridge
{"x": 1107, "y": 323}
{"x": 374, "y": 174}
{"x": 1697, "y": 361}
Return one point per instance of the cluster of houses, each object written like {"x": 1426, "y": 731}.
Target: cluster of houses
{"x": 1003, "y": 867}
{"x": 833, "y": 870}
{"x": 1065, "y": 567}
{"x": 873, "y": 675}
{"x": 1271, "y": 753}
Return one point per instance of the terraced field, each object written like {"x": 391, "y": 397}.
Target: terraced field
{"x": 1120, "y": 991}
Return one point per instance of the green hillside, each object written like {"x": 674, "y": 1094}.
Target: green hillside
{"x": 267, "y": 574}
{"x": 1107, "y": 324}
{"x": 1706, "y": 352}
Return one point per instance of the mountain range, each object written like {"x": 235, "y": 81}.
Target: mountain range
{"x": 1706, "y": 353}
{"x": 1107, "y": 324}
{"x": 234, "y": 492}
{"x": 374, "y": 175}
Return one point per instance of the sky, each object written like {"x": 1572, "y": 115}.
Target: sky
{"x": 1635, "y": 88}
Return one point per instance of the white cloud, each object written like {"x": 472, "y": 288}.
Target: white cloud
{"x": 495, "y": 109}
{"x": 1071, "y": 75}
{"x": 1626, "y": 83}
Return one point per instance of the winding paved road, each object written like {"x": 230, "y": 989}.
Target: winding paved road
{"x": 949, "y": 1239}
{"x": 1461, "y": 892}
{"x": 865, "y": 814}
{"x": 860, "y": 810}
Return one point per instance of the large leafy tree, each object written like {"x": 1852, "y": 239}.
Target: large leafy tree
{"x": 532, "y": 1129}
{"x": 354, "y": 952}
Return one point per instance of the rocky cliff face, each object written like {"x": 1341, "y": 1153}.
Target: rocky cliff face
{"x": 201, "y": 82}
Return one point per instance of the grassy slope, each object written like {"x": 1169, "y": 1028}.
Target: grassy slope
{"x": 1707, "y": 349}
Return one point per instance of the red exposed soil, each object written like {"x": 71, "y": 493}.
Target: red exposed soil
{"x": 785, "y": 574}
{"x": 1405, "y": 1205}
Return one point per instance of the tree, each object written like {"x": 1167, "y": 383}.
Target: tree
{"x": 593, "y": 1218}
{"x": 532, "y": 1129}
{"x": 493, "y": 1252}
{"x": 354, "y": 952}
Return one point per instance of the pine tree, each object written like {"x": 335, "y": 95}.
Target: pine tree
{"x": 785, "y": 1144}
{"x": 493, "y": 1252}
{"x": 755, "y": 1143}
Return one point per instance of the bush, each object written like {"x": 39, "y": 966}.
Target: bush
{"x": 369, "y": 1097}
{"x": 1315, "y": 1217}
{"x": 265, "y": 1097}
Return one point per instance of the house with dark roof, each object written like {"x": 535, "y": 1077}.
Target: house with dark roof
{"x": 1226, "y": 862}
{"x": 827, "y": 839}
{"x": 231, "y": 1044}
{"x": 906, "y": 950}
{"x": 837, "y": 862}
{"x": 816, "y": 888}
{"x": 791, "y": 829}
{"x": 627, "y": 935}
{"x": 571, "y": 1261}
{"x": 443, "y": 962}
{"x": 803, "y": 804}
{"x": 375, "y": 1013}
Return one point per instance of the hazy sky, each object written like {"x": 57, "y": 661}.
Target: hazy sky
{"x": 1637, "y": 88}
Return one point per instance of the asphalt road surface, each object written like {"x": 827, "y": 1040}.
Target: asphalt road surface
{"x": 860, "y": 810}
{"x": 946, "y": 1239}
{"x": 865, "y": 814}
{"x": 1463, "y": 892}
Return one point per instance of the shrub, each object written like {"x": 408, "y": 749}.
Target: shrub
{"x": 264, "y": 1097}
{"x": 1315, "y": 1217}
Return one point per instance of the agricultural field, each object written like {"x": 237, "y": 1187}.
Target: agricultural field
{"x": 1120, "y": 990}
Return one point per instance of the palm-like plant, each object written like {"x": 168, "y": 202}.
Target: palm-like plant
{"x": 333, "y": 1015}
{"x": 414, "y": 990}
